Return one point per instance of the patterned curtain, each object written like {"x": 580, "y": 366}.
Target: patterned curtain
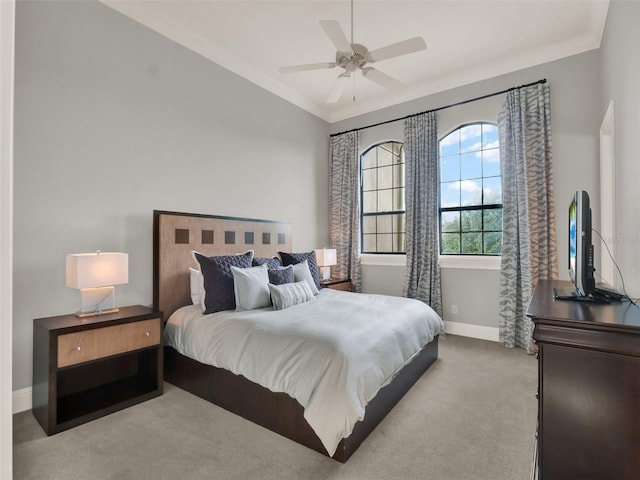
{"x": 344, "y": 206}
{"x": 529, "y": 218}
{"x": 421, "y": 197}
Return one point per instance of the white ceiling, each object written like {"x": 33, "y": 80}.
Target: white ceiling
{"x": 467, "y": 41}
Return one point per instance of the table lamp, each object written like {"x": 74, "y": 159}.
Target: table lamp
{"x": 326, "y": 257}
{"x": 95, "y": 275}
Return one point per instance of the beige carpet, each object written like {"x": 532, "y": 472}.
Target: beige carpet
{"x": 471, "y": 416}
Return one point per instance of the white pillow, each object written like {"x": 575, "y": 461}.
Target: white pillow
{"x": 196, "y": 280}
{"x": 250, "y": 286}
{"x": 290, "y": 294}
{"x": 301, "y": 273}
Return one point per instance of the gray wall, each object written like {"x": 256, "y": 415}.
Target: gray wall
{"x": 621, "y": 83}
{"x": 113, "y": 120}
{"x": 575, "y": 121}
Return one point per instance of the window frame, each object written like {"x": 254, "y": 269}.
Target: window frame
{"x": 462, "y": 208}
{"x": 376, "y": 214}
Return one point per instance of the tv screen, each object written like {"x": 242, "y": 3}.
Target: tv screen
{"x": 572, "y": 240}
{"x": 580, "y": 247}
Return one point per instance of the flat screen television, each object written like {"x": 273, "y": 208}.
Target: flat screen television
{"x": 580, "y": 246}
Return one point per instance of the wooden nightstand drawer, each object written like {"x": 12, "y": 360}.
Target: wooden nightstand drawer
{"x": 337, "y": 284}
{"x": 79, "y": 347}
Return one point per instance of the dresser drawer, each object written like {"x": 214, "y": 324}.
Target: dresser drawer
{"x": 79, "y": 347}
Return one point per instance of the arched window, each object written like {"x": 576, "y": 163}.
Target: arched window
{"x": 471, "y": 191}
{"x": 383, "y": 214}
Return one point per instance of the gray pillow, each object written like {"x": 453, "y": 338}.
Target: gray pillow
{"x": 290, "y": 294}
{"x": 281, "y": 275}
{"x": 272, "y": 263}
{"x": 310, "y": 257}
{"x": 250, "y": 287}
{"x": 218, "y": 279}
{"x": 301, "y": 272}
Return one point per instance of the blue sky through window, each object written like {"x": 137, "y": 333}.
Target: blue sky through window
{"x": 469, "y": 158}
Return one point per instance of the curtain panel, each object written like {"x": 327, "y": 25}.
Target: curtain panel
{"x": 529, "y": 219}
{"x": 422, "y": 279}
{"x": 344, "y": 206}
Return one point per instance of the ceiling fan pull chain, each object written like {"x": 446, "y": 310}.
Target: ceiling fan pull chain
{"x": 354, "y": 88}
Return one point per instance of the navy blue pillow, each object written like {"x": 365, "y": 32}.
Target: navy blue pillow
{"x": 295, "y": 258}
{"x": 271, "y": 263}
{"x": 281, "y": 275}
{"x": 218, "y": 280}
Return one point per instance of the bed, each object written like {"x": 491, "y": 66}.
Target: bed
{"x": 175, "y": 235}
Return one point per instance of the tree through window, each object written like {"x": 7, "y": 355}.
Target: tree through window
{"x": 470, "y": 191}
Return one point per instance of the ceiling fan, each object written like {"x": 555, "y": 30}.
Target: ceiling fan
{"x": 352, "y": 56}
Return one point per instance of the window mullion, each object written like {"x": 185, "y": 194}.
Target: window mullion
{"x": 383, "y": 233}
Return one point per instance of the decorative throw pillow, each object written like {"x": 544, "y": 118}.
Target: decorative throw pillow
{"x": 271, "y": 263}
{"x": 249, "y": 252}
{"x": 196, "y": 281}
{"x": 310, "y": 257}
{"x": 301, "y": 273}
{"x": 290, "y": 294}
{"x": 250, "y": 286}
{"x": 281, "y": 275}
{"x": 218, "y": 279}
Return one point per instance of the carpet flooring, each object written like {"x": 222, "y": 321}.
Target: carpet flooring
{"x": 471, "y": 416}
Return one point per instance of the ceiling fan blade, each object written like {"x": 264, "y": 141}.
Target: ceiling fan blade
{"x": 412, "y": 45}
{"x": 309, "y": 66}
{"x": 382, "y": 79}
{"x": 336, "y": 35}
{"x": 337, "y": 89}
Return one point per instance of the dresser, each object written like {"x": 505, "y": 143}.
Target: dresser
{"x": 85, "y": 368}
{"x": 588, "y": 387}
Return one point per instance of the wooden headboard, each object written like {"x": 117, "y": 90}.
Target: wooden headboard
{"x": 176, "y": 234}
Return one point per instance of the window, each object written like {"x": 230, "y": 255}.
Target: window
{"x": 382, "y": 199}
{"x": 470, "y": 191}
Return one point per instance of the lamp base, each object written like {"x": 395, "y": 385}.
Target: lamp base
{"x": 97, "y": 301}
{"x": 325, "y": 272}
{"x": 96, "y": 313}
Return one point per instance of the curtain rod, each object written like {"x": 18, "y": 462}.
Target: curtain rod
{"x": 544, "y": 80}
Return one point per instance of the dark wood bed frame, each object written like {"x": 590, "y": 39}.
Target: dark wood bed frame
{"x": 174, "y": 236}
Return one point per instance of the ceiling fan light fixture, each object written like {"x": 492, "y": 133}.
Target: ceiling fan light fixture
{"x": 353, "y": 56}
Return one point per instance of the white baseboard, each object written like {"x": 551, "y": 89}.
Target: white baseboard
{"x": 474, "y": 331}
{"x": 21, "y": 400}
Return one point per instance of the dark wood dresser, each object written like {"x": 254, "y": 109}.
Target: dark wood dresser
{"x": 588, "y": 387}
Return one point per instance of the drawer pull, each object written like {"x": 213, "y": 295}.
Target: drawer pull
{"x": 146, "y": 334}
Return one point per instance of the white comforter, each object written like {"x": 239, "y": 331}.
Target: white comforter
{"x": 332, "y": 354}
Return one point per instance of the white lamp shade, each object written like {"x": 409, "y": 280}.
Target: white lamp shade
{"x": 327, "y": 257}
{"x": 91, "y": 270}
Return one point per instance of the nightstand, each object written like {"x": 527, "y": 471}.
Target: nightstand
{"x": 86, "y": 368}
{"x": 337, "y": 284}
